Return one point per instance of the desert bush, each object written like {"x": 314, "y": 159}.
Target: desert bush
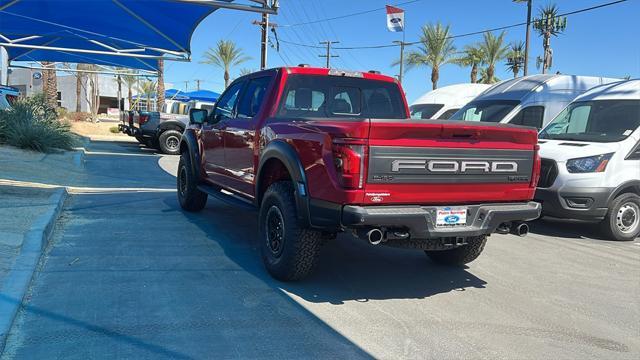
{"x": 62, "y": 112}
{"x": 114, "y": 129}
{"x": 78, "y": 116}
{"x": 32, "y": 124}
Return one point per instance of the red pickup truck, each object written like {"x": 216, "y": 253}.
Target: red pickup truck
{"x": 320, "y": 151}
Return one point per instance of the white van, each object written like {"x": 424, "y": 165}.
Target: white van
{"x": 591, "y": 160}
{"x": 443, "y": 102}
{"x": 529, "y": 100}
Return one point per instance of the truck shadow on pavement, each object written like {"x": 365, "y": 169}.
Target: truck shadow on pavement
{"x": 568, "y": 229}
{"x": 349, "y": 269}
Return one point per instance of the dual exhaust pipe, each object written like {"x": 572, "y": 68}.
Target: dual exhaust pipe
{"x": 517, "y": 228}
{"x": 376, "y": 236}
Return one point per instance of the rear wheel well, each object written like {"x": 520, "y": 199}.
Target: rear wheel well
{"x": 272, "y": 171}
{"x": 171, "y": 127}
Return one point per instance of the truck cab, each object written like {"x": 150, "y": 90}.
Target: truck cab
{"x": 591, "y": 160}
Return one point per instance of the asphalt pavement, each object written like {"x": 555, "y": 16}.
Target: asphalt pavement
{"x": 128, "y": 274}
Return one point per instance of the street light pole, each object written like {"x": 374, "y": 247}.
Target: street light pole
{"x": 526, "y": 46}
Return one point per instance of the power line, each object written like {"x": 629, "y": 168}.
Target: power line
{"x": 381, "y": 46}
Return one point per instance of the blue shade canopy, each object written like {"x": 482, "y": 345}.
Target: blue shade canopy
{"x": 143, "y": 28}
{"x": 203, "y": 95}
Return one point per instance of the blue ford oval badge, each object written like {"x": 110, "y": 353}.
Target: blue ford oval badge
{"x": 452, "y": 219}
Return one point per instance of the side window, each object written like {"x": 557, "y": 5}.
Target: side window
{"x": 530, "y": 116}
{"x": 252, "y": 99}
{"x": 447, "y": 114}
{"x": 227, "y": 102}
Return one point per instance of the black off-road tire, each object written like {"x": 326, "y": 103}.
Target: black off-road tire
{"x": 625, "y": 207}
{"x": 460, "y": 255}
{"x": 190, "y": 198}
{"x": 141, "y": 140}
{"x": 294, "y": 254}
{"x": 169, "y": 142}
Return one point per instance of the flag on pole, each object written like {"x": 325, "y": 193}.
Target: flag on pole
{"x": 395, "y": 19}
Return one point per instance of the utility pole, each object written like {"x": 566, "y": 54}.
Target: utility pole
{"x": 328, "y": 55}
{"x": 526, "y": 46}
{"x": 402, "y": 44}
{"x": 186, "y": 85}
{"x": 197, "y": 84}
{"x": 264, "y": 39}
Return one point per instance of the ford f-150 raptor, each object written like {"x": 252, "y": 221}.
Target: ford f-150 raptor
{"x": 320, "y": 151}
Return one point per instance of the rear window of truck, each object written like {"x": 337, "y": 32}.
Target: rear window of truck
{"x": 316, "y": 96}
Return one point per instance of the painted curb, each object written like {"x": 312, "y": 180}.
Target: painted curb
{"x": 17, "y": 282}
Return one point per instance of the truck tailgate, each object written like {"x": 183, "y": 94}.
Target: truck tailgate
{"x": 447, "y": 162}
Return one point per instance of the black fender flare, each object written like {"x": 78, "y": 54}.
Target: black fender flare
{"x": 190, "y": 143}
{"x": 618, "y": 190}
{"x": 170, "y": 124}
{"x": 286, "y": 154}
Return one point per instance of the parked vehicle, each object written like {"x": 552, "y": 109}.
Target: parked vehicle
{"x": 8, "y": 95}
{"x": 443, "y": 102}
{"x": 156, "y": 130}
{"x": 321, "y": 151}
{"x": 529, "y": 101}
{"x": 591, "y": 160}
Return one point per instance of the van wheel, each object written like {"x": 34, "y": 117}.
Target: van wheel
{"x": 289, "y": 251}
{"x": 622, "y": 222}
{"x": 169, "y": 142}
{"x": 460, "y": 255}
{"x": 190, "y": 198}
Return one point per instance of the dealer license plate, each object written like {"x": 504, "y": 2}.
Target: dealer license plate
{"x": 451, "y": 217}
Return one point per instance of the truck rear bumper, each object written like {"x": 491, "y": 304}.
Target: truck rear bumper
{"x": 420, "y": 221}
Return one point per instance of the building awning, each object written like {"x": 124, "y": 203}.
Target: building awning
{"x": 126, "y": 33}
{"x": 203, "y": 95}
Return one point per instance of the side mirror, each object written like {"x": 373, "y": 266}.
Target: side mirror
{"x": 197, "y": 116}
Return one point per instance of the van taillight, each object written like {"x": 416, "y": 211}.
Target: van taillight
{"x": 142, "y": 119}
{"x": 349, "y": 161}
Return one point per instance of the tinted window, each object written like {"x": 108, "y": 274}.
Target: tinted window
{"x": 227, "y": 102}
{"x": 486, "y": 111}
{"x": 253, "y": 97}
{"x": 598, "y": 121}
{"x": 530, "y": 116}
{"x": 309, "y": 96}
{"x": 425, "y": 111}
{"x": 447, "y": 114}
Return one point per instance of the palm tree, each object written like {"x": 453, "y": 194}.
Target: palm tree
{"x": 147, "y": 88}
{"x": 494, "y": 50}
{"x": 485, "y": 79}
{"x": 549, "y": 24}
{"x": 472, "y": 56}
{"x": 130, "y": 81}
{"x": 225, "y": 55}
{"x": 160, "y": 93}
{"x": 50, "y": 83}
{"x": 245, "y": 71}
{"x": 436, "y": 49}
{"x": 515, "y": 58}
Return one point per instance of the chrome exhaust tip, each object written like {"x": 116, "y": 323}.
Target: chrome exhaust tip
{"x": 375, "y": 236}
{"x": 521, "y": 229}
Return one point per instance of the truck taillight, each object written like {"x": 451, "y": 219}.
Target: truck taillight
{"x": 142, "y": 119}
{"x": 11, "y": 99}
{"x": 535, "y": 174}
{"x": 349, "y": 162}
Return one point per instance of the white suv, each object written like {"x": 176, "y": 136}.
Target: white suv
{"x": 591, "y": 160}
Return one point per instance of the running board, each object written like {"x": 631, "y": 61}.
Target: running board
{"x": 226, "y": 197}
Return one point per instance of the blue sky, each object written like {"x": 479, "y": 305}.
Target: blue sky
{"x": 602, "y": 42}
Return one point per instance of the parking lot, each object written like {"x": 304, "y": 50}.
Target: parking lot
{"x": 127, "y": 274}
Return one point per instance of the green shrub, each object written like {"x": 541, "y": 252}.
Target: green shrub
{"x": 62, "y": 112}
{"x": 32, "y": 124}
{"x": 114, "y": 129}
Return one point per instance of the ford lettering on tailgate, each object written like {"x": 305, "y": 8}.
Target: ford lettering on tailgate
{"x": 439, "y": 165}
